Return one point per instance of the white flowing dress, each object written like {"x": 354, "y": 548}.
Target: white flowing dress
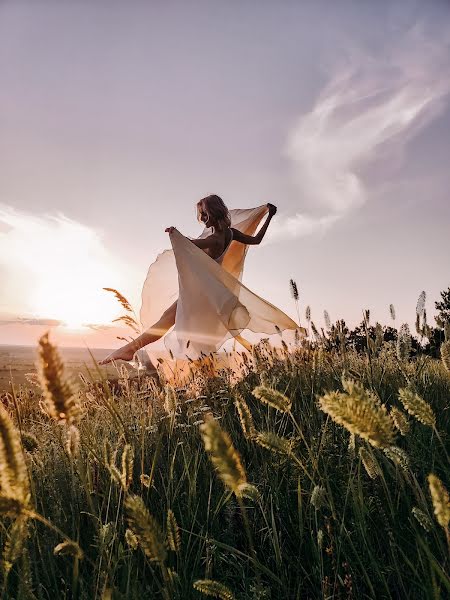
{"x": 213, "y": 304}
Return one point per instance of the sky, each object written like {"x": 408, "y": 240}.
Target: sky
{"x": 116, "y": 118}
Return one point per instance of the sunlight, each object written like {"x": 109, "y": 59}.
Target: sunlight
{"x": 60, "y": 267}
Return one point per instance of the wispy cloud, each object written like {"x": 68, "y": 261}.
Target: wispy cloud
{"x": 52, "y": 266}
{"x": 372, "y": 102}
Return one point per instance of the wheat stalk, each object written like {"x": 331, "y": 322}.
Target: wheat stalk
{"x": 131, "y": 539}
{"x": 14, "y": 483}
{"x": 223, "y": 455}
{"x": 271, "y": 441}
{"x": 400, "y": 420}
{"x": 122, "y": 300}
{"x": 173, "y": 532}
{"x": 361, "y": 413}
{"x": 370, "y": 463}
{"x": 440, "y": 498}
{"x": 272, "y": 398}
{"x": 422, "y": 518}
{"x": 68, "y": 548}
{"x": 417, "y": 407}
{"x": 445, "y": 354}
{"x": 318, "y": 497}
{"x": 170, "y": 400}
{"x": 15, "y": 544}
{"x": 245, "y": 417}
{"x": 208, "y": 587}
{"x": 61, "y": 401}
{"x": 146, "y": 529}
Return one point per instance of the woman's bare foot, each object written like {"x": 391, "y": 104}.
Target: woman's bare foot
{"x": 124, "y": 353}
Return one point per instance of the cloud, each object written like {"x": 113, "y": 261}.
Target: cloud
{"x": 54, "y": 266}
{"x": 373, "y": 103}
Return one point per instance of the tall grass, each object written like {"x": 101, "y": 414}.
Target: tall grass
{"x": 304, "y": 478}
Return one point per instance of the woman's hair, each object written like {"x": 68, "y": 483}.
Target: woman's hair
{"x": 217, "y": 211}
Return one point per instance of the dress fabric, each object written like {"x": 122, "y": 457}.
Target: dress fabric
{"x": 213, "y": 305}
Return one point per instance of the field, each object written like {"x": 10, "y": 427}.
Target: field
{"x": 17, "y": 361}
{"x": 264, "y": 488}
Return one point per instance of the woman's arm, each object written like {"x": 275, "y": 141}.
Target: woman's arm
{"x": 252, "y": 240}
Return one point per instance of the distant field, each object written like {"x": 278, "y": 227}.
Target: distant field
{"x": 16, "y": 361}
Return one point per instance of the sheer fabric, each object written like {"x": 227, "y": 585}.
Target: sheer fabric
{"x": 213, "y": 305}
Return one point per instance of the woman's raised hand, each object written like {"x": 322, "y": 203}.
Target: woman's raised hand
{"x": 272, "y": 209}
{"x": 170, "y": 229}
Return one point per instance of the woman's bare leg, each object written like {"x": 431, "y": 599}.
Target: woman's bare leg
{"x": 152, "y": 334}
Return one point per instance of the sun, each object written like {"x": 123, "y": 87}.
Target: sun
{"x": 59, "y": 268}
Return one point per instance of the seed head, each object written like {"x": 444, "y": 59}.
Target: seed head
{"x": 170, "y": 401}
{"x": 359, "y": 411}
{"x": 417, "y": 407}
{"x": 392, "y": 311}
{"x": 208, "y": 587}
{"x": 404, "y": 342}
{"x": 223, "y": 455}
{"x": 370, "y": 463}
{"x": 422, "y": 518}
{"x": 146, "y": 529}
{"x": 14, "y": 483}
{"x": 445, "y": 354}
{"x": 294, "y": 289}
{"x": 318, "y": 497}
{"x": 274, "y": 443}
{"x": 245, "y": 416}
{"x": 173, "y": 532}
{"x": 272, "y": 398}
{"x": 131, "y": 539}
{"x": 61, "y": 400}
{"x": 440, "y": 498}
{"x": 400, "y": 420}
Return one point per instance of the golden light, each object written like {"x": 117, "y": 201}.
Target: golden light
{"x": 57, "y": 269}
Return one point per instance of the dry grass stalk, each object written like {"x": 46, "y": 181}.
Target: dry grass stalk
{"x": 274, "y": 443}
{"x": 69, "y": 548}
{"x": 400, "y": 420}
{"x": 223, "y": 455}
{"x": 73, "y": 441}
{"x": 14, "y": 546}
{"x": 440, "y": 498}
{"x": 61, "y": 401}
{"x": 208, "y": 587}
{"x": 404, "y": 342}
{"x": 370, "y": 463}
{"x": 398, "y": 456}
{"x": 122, "y": 300}
{"x": 14, "y": 483}
{"x": 422, "y": 518}
{"x": 170, "y": 400}
{"x": 131, "y": 539}
{"x": 173, "y": 532}
{"x": 318, "y": 497}
{"x": 29, "y": 441}
{"x": 417, "y": 407}
{"x": 361, "y": 413}
{"x": 146, "y": 529}
{"x": 272, "y": 398}
{"x": 245, "y": 417}
{"x": 445, "y": 354}
{"x": 127, "y": 466}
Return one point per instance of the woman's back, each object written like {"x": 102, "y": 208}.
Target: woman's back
{"x": 224, "y": 242}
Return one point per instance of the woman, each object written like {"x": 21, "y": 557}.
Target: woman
{"x": 212, "y": 304}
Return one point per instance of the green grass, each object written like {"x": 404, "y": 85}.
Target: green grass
{"x": 361, "y": 541}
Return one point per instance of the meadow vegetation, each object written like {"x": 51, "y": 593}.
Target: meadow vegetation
{"x": 320, "y": 472}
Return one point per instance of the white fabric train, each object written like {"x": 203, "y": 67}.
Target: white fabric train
{"x": 213, "y": 305}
